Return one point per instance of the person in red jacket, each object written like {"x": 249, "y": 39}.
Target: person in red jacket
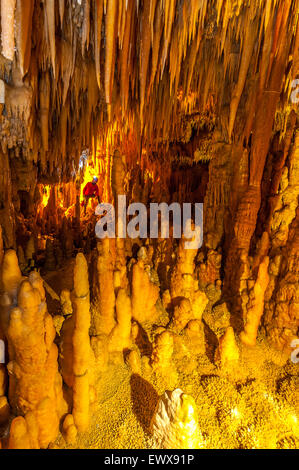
{"x": 91, "y": 190}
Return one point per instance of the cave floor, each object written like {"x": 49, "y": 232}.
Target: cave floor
{"x": 253, "y": 405}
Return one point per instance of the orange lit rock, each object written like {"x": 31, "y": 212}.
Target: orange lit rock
{"x": 66, "y": 303}
{"x": 144, "y": 294}
{"x": 4, "y": 410}
{"x": 3, "y": 379}
{"x": 120, "y": 337}
{"x": 162, "y": 350}
{"x": 134, "y": 362}
{"x": 255, "y": 306}
{"x": 69, "y": 429}
{"x": 182, "y": 315}
{"x": 11, "y": 274}
{"x": 18, "y": 436}
{"x": 227, "y": 352}
{"x": 82, "y": 352}
{"x": 104, "y": 313}
{"x": 183, "y": 283}
{"x": 35, "y": 383}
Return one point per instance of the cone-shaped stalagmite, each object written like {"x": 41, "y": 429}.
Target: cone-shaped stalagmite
{"x": 255, "y": 307}
{"x": 82, "y": 353}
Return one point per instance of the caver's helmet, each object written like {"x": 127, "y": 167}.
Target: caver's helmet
{"x": 95, "y": 180}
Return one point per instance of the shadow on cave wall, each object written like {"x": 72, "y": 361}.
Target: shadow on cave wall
{"x": 144, "y": 401}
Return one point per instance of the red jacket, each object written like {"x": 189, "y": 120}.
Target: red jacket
{"x": 91, "y": 190}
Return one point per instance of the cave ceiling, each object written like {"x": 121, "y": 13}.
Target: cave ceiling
{"x": 91, "y": 73}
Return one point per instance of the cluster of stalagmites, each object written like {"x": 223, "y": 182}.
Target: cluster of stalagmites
{"x": 47, "y": 384}
{"x": 35, "y": 385}
{"x": 37, "y": 401}
{"x": 153, "y": 61}
{"x": 44, "y": 385}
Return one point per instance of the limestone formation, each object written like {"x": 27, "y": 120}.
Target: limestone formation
{"x": 82, "y": 352}
{"x": 182, "y": 282}
{"x": 182, "y": 315}
{"x": 104, "y": 315}
{"x": 227, "y": 352}
{"x": 175, "y": 422}
{"x": 144, "y": 294}
{"x": 255, "y": 306}
{"x": 169, "y": 104}
{"x": 35, "y": 385}
{"x": 66, "y": 303}
{"x": 162, "y": 350}
{"x": 120, "y": 337}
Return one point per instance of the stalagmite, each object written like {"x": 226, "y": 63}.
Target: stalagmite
{"x": 162, "y": 350}
{"x": 120, "y": 338}
{"x": 228, "y": 351}
{"x": 255, "y": 306}
{"x": 175, "y": 422}
{"x": 19, "y": 437}
{"x": 82, "y": 352}
{"x": 11, "y": 274}
{"x": 30, "y": 334}
{"x": 69, "y": 429}
{"x": 144, "y": 294}
{"x": 104, "y": 316}
{"x": 182, "y": 315}
{"x": 182, "y": 283}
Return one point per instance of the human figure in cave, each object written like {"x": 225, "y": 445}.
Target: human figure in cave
{"x": 91, "y": 190}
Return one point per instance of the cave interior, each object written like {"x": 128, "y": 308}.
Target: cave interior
{"x": 140, "y": 343}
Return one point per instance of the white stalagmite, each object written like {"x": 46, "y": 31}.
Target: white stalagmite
{"x": 175, "y": 422}
{"x": 8, "y": 28}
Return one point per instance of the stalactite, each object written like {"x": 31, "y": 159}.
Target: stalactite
{"x": 249, "y": 42}
{"x": 86, "y": 26}
{"x": 61, "y": 11}
{"x": 50, "y": 25}
{"x": 111, "y": 30}
{"x": 198, "y": 99}
{"x": 44, "y": 109}
{"x": 98, "y": 37}
{"x": 23, "y": 20}
{"x": 156, "y": 45}
{"x": 145, "y": 46}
